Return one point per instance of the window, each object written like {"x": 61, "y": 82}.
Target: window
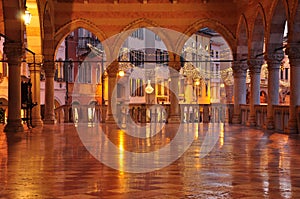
{"x": 132, "y": 87}
{"x": 99, "y": 73}
{"x": 59, "y": 71}
{"x": 157, "y": 38}
{"x": 212, "y": 53}
{"x": 217, "y": 68}
{"x": 136, "y": 87}
{"x": 286, "y": 73}
{"x": 281, "y": 74}
{"x": 68, "y": 71}
{"x": 217, "y": 54}
{"x": 137, "y": 57}
{"x": 139, "y": 34}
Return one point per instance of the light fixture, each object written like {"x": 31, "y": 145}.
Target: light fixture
{"x": 121, "y": 73}
{"x": 27, "y": 15}
{"x": 149, "y": 89}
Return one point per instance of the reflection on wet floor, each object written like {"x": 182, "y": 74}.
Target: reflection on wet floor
{"x": 222, "y": 161}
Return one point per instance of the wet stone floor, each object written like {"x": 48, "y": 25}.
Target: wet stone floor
{"x": 102, "y": 161}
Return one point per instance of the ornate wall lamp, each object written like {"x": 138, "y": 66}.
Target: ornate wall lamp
{"x": 27, "y": 15}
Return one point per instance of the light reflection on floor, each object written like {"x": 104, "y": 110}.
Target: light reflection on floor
{"x": 243, "y": 163}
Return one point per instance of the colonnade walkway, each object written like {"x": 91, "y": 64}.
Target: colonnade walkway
{"x": 223, "y": 161}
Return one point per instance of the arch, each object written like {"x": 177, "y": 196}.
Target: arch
{"x": 93, "y": 102}
{"x": 276, "y": 25}
{"x": 57, "y": 102}
{"x": 212, "y": 24}
{"x": 3, "y": 100}
{"x": 48, "y": 33}
{"x": 34, "y": 38}
{"x": 256, "y": 38}
{"x": 294, "y": 23}
{"x": 75, "y": 102}
{"x": 242, "y": 39}
{"x": 63, "y": 31}
{"x": 140, "y": 23}
{"x": 11, "y": 15}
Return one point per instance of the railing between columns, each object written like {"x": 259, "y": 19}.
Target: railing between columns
{"x": 142, "y": 113}
{"x": 82, "y": 113}
{"x": 280, "y": 115}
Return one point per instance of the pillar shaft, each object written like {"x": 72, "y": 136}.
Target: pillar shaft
{"x": 239, "y": 73}
{"x": 112, "y": 77}
{"x": 255, "y": 67}
{"x": 35, "y": 71}
{"x": 49, "y": 117}
{"x": 273, "y": 61}
{"x": 174, "y": 100}
{"x": 14, "y": 52}
{"x": 293, "y": 52}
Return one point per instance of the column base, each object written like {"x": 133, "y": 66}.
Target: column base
{"x": 14, "y": 126}
{"x": 110, "y": 119}
{"x": 251, "y": 121}
{"x": 270, "y": 124}
{"x": 292, "y": 127}
{"x": 49, "y": 121}
{"x": 175, "y": 119}
{"x": 37, "y": 122}
{"x": 236, "y": 119}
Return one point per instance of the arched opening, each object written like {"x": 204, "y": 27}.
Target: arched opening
{"x": 144, "y": 58}
{"x": 206, "y": 76}
{"x": 80, "y": 61}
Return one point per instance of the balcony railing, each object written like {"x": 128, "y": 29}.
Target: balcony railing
{"x": 280, "y": 116}
{"x": 145, "y": 113}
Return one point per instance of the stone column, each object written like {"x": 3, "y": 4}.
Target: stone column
{"x": 49, "y": 117}
{"x": 112, "y": 78}
{"x": 239, "y": 74}
{"x": 255, "y": 67}
{"x": 174, "y": 100}
{"x": 14, "y": 53}
{"x": 35, "y": 63}
{"x": 293, "y": 52}
{"x": 273, "y": 61}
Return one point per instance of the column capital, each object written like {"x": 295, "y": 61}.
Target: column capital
{"x": 38, "y": 59}
{"x": 49, "y": 67}
{"x": 293, "y": 51}
{"x": 227, "y": 77}
{"x": 34, "y": 67}
{"x": 14, "y": 52}
{"x": 239, "y": 68}
{"x": 274, "y": 59}
{"x": 255, "y": 65}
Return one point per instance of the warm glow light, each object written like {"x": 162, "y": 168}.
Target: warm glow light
{"x": 149, "y": 89}
{"x": 27, "y": 17}
{"x": 197, "y": 83}
{"x": 121, "y": 73}
{"x": 222, "y": 85}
